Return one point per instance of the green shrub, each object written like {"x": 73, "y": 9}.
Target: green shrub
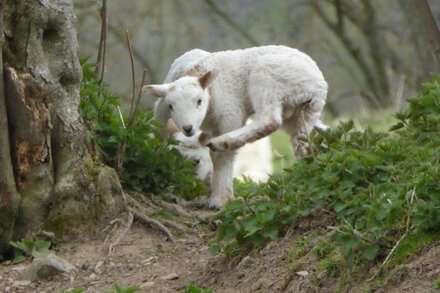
{"x": 30, "y": 248}
{"x": 330, "y": 266}
{"x": 149, "y": 163}
{"x": 379, "y": 185}
{"x": 194, "y": 288}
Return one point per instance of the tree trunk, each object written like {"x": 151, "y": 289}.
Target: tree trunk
{"x": 9, "y": 197}
{"x": 62, "y": 187}
{"x": 426, "y": 62}
{"x": 429, "y": 26}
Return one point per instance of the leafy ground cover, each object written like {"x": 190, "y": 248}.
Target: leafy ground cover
{"x": 380, "y": 188}
{"x": 131, "y": 144}
{"x": 359, "y": 214}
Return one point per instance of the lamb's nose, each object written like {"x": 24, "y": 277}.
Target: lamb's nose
{"x": 187, "y": 129}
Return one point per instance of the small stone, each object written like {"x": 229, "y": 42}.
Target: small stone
{"x": 147, "y": 284}
{"x": 302, "y": 273}
{"x": 10, "y": 280}
{"x": 172, "y": 276}
{"x": 43, "y": 267}
{"x": 92, "y": 276}
{"x": 7, "y": 289}
{"x": 245, "y": 261}
{"x": 21, "y": 283}
{"x": 98, "y": 267}
{"x": 148, "y": 260}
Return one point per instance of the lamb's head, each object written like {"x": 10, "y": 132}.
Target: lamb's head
{"x": 191, "y": 148}
{"x": 187, "y": 99}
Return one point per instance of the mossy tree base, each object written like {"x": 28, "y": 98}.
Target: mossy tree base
{"x": 49, "y": 179}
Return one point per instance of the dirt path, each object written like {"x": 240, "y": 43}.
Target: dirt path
{"x": 144, "y": 258}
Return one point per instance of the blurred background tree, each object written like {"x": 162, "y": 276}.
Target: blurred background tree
{"x": 373, "y": 53}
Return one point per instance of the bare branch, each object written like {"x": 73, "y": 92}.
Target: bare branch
{"x": 140, "y": 56}
{"x": 144, "y": 77}
{"x": 133, "y": 76}
{"x": 339, "y": 29}
{"x": 100, "y": 62}
{"x": 231, "y": 22}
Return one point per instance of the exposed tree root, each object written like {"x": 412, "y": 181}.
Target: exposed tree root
{"x": 126, "y": 226}
{"x": 152, "y": 222}
{"x": 143, "y": 209}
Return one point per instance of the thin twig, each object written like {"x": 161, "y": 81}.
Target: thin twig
{"x": 388, "y": 257}
{"x": 144, "y": 77}
{"x": 357, "y": 234}
{"x": 122, "y": 147}
{"x": 121, "y": 235}
{"x": 138, "y": 55}
{"x": 100, "y": 63}
{"x": 121, "y": 117}
{"x": 408, "y": 223}
{"x": 133, "y": 77}
{"x": 114, "y": 225}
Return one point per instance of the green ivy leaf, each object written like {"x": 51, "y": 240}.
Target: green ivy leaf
{"x": 370, "y": 251}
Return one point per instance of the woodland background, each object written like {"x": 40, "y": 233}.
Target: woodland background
{"x": 373, "y": 53}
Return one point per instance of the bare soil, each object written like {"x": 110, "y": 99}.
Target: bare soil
{"x": 146, "y": 259}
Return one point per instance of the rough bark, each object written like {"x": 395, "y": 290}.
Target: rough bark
{"x": 62, "y": 188}
{"x": 429, "y": 26}
{"x": 9, "y": 197}
{"x": 426, "y": 63}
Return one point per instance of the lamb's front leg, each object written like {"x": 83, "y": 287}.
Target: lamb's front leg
{"x": 221, "y": 187}
{"x": 264, "y": 124}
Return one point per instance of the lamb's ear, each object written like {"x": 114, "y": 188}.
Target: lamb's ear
{"x": 171, "y": 126}
{"x": 206, "y": 79}
{"x": 157, "y": 90}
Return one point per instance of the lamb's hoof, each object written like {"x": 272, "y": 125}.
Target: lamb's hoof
{"x": 214, "y": 207}
{"x": 218, "y": 203}
{"x": 211, "y": 147}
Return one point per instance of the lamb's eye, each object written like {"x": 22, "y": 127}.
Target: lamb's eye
{"x": 197, "y": 161}
{"x": 199, "y": 102}
{"x": 170, "y": 107}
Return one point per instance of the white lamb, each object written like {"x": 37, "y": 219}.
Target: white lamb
{"x": 253, "y": 161}
{"x": 277, "y": 85}
{"x": 191, "y": 148}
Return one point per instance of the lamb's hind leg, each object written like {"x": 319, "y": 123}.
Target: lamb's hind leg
{"x": 264, "y": 123}
{"x": 300, "y": 124}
